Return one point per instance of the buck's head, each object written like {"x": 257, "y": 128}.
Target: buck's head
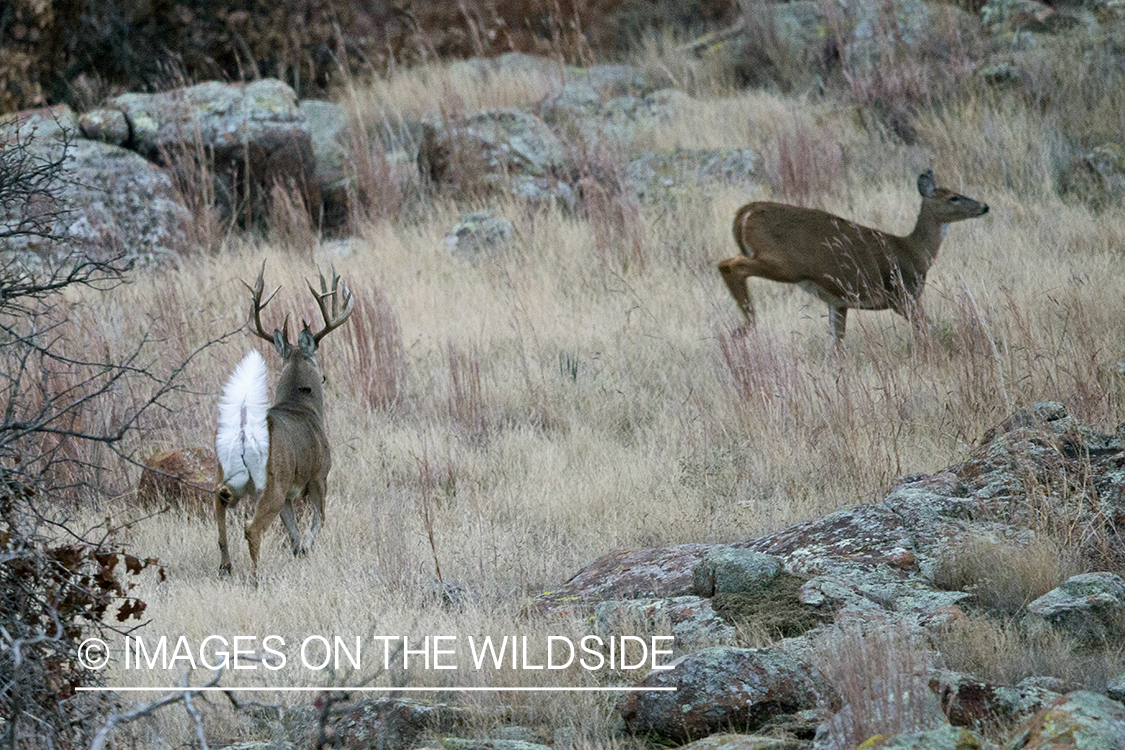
{"x": 945, "y": 205}
{"x": 301, "y": 379}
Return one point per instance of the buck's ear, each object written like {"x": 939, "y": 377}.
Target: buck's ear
{"x": 926, "y": 184}
{"x": 281, "y": 343}
{"x": 307, "y": 342}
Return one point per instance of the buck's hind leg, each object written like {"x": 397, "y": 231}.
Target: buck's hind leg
{"x": 736, "y": 272}
{"x": 291, "y": 527}
{"x": 269, "y": 507}
{"x": 317, "y": 489}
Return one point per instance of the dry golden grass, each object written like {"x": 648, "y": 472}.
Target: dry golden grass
{"x": 552, "y": 408}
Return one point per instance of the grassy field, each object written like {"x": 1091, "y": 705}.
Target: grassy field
{"x": 510, "y": 422}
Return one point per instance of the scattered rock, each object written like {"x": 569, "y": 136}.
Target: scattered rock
{"x": 185, "y": 479}
{"x": 721, "y": 688}
{"x": 627, "y": 574}
{"x": 663, "y": 174}
{"x": 1116, "y": 688}
{"x": 691, "y": 620}
{"x": 39, "y": 125}
{"x": 1098, "y": 178}
{"x": 734, "y": 571}
{"x": 479, "y": 236}
{"x": 743, "y": 742}
{"x": 1080, "y": 720}
{"x": 106, "y": 125}
{"x": 1023, "y": 15}
{"x": 969, "y": 702}
{"x": 459, "y": 743}
{"x": 943, "y": 738}
{"x": 394, "y": 723}
{"x": 504, "y": 149}
{"x": 1089, "y": 606}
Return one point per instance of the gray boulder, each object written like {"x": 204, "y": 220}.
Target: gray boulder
{"x": 690, "y": 619}
{"x": 479, "y": 235}
{"x": 254, "y": 134}
{"x": 661, "y": 174}
{"x": 734, "y": 571}
{"x": 1090, "y": 606}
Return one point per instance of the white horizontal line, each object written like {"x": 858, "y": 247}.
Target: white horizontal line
{"x": 516, "y": 689}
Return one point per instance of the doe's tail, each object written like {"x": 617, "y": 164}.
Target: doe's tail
{"x": 243, "y": 440}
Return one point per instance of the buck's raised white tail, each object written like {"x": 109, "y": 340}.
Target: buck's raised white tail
{"x": 243, "y": 440}
{"x": 839, "y": 261}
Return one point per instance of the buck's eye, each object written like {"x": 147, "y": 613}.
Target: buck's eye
{"x": 954, "y": 199}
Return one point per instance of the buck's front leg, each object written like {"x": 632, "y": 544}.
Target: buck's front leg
{"x": 736, "y": 272}
{"x": 290, "y": 522}
{"x": 224, "y": 499}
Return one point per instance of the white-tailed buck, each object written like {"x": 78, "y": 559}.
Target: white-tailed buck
{"x": 839, "y": 261}
{"x": 280, "y": 451}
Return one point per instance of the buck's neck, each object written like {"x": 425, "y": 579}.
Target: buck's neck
{"x": 299, "y": 387}
{"x": 927, "y": 235}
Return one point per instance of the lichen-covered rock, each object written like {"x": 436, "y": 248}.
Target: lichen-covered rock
{"x": 255, "y": 134}
{"x": 691, "y": 619}
{"x": 662, "y": 174}
{"x": 1089, "y": 606}
{"x": 184, "y": 479}
{"x": 329, "y": 132}
{"x": 721, "y": 688}
{"x": 1098, "y": 178}
{"x": 734, "y": 571}
{"x": 110, "y": 202}
{"x": 627, "y": 574}
{"x": 39, "y": 125}
{"x": 479, "y": 235}
{"x": 943, "y": 738}
{"x": 1078, "y": 721}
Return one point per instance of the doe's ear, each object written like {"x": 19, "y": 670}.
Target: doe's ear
{"x": 926, "y": 184}
{"x": 307, "y": 342}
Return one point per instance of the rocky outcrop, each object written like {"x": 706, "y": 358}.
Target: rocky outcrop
{"x": 253, "y": 135}
{"x": 875, "y": 564}
{"x": 479, "y": 235}
{"x": 1080, "y": 720}
{"x": 666, "y": 174}
{"x": 107, "y": 201}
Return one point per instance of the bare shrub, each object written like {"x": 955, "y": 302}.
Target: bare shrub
{"x": 881, "y": 673}
{"x": 467, "y": 405}
{"x": 610, "y": 206}
{"x": 1004, "y": 577}
{"x": 1006, "y": 653}
{"x": 189, "y": 165}
{"x": 805, "y": 167}
{"x": 374, "y": 361}
{"x": 289, "y": 220}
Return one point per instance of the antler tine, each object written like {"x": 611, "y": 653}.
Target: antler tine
{"x": 335, "y": 318}
{"x": 257, "y": 304}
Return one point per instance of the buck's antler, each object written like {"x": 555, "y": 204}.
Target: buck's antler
{"x": 339, "y": 291}
{"x": 257, "y": 306}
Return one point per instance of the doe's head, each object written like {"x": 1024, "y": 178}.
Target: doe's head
{"x": 945, "y": 204}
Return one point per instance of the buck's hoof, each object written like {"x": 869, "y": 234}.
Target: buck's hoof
{"x": 224, "y": 571}
{"x": 301, "y": 552}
